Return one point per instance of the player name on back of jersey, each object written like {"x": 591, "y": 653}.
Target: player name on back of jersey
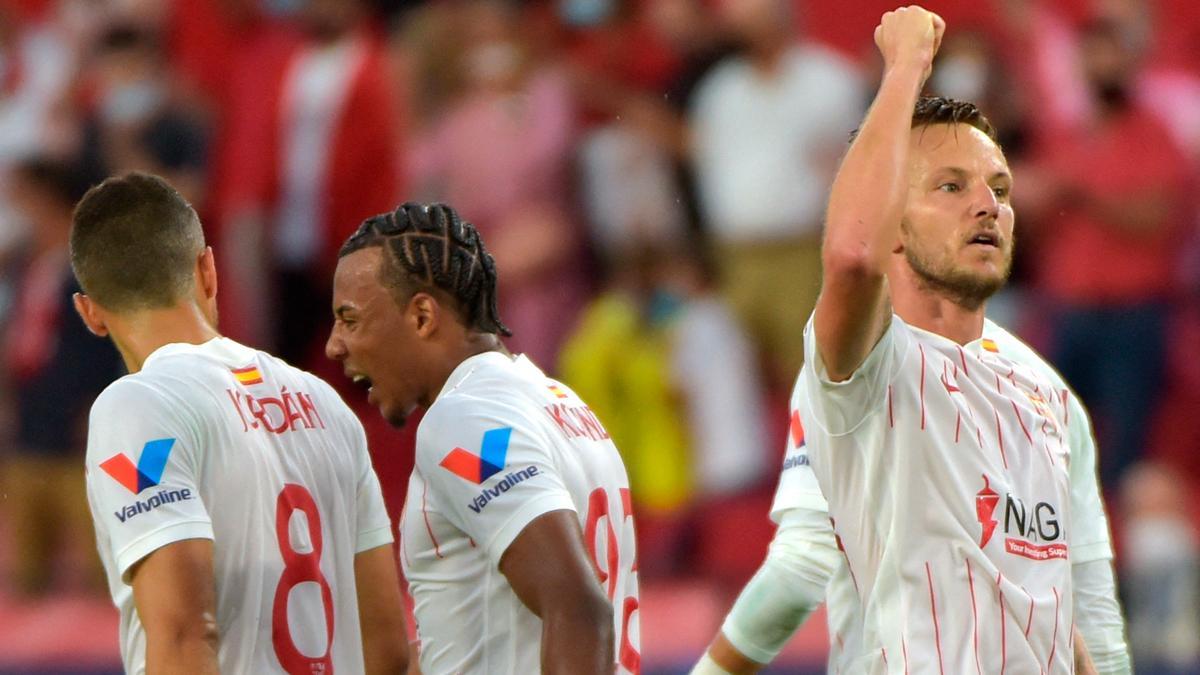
{"x": 577, "y": 421}
{"x": 286, "y": 411}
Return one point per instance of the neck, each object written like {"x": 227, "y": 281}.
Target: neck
{"x": 138, "y": 334}
{"x": 932, "y": 311}
{"x": 766, "y": 54}
{"x": 473, "y": 345}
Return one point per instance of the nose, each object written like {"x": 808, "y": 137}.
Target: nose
{"x": 986, "y": 203}
{"x": 335, "y": 347}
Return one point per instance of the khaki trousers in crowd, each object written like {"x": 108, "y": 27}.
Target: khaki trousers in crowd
{"x": 772, "y": 287}
{"x": 45, "y": 503}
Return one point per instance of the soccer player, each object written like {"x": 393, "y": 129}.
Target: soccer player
{"x": 804, "y": 568}
{"x": 237, "y": 514}
{"x": 517, "y": 537}
{"x": 943, "y": 461}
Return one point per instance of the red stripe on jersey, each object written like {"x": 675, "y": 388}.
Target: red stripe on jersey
{"x": 884, "y": 651}
{"x": 937, "y": 631}
{"x": 997, "y": 382}
{"x": 1029, "y": 621}
{"x": 922, "y": 392}
{"x": 1000, "y": 436}
{"x": 1053, "y": 638}
{"x": 1021, "y": 420}
{"x": 1003, "y": 631}
{"x": 962, "y": 356}
{"x": 437, "y": 550}
{"x": 1066, "y": 408}
{"x": 1049, "y": 456}
{"x": 904, "y": 650}
{"x": 891, "y": 417}
{"x": 957, "y": 425}
{"x": 974, "y": 617}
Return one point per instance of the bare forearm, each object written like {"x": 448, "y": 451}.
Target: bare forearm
{"x": 194, "y": 654}
{"x": 867, "y": 198}
{"x": 578, "y": 641}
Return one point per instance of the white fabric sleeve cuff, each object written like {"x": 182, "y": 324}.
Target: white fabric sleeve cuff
{"x": 1098, "y": 616}
{"x": 530, "y": 510}
{"x": 152, "y": 541}
{"x": 373, "y": 539}
{"x": 706, "y": 666}
{"x": 788, "y": 586}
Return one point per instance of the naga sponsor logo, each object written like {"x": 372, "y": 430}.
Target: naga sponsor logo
{"x": 153, "y": 502}
{"x": 508, "y": 482}
{"x": 1033, "y": 533}
{"x": 280, "y": 414}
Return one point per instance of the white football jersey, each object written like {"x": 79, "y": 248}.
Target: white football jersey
{"x": 219, "y": 441}
{"x": 501, "y": 445}
{"x": 946, "y": 473}
{"x": 1088, "y": 534}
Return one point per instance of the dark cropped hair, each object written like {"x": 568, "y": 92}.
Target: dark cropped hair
{"x": 932, "y": 110}
{"x": 941, "y": 110}
{"x": 429, "y": 247}
{"x": 134, "y": 243}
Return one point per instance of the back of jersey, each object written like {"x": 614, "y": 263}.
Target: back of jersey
{"x": 223, "y": 442}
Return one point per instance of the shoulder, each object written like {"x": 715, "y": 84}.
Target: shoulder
{"x": 1016, "y": 349}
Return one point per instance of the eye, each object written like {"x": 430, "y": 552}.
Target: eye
{"x": 950, "y": 187}
{"x": 1001, "y": 191}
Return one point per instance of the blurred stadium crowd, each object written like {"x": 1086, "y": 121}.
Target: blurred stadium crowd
{"x": 651, "y": 177}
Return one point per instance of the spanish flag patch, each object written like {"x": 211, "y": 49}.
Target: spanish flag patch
{"x": 248, "y": 375}
{"x": 990, "y": 345}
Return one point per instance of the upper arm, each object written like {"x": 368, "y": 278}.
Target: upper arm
{"x": 851, "y": 315}
{"x": 1089, "y": 536}
{"x": 381, "y": 611}
{"x": 174, "y": 591}
{"x": 142, "y": 475}
{"x": 490, "y": 470}
{"x": 548, "y": 568}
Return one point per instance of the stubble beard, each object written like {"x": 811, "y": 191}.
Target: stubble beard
{"x": 964, "y": 288}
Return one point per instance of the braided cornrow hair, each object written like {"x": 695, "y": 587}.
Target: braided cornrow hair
{"x": 428, "y": 247}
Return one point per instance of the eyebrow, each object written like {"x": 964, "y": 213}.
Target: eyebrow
{"x": 960, "y": 172}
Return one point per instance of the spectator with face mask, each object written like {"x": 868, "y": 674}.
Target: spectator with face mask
{"x": 1108, "y": 204}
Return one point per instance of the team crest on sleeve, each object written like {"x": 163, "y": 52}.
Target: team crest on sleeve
{"x": 147, "y": 472}
{"x": 489, "y": 462}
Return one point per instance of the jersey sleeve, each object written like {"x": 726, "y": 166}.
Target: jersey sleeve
{"x": 490, "y": 469}
{"x": 1089, "y": 536}
{"x": 839, "y": 407}
{"x": 144, "y": 458}
{"x": 798, "y": 487}
{"x": 374, "y": 526}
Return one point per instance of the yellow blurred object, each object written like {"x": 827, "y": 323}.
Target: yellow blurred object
{"x": 621, "y": 368}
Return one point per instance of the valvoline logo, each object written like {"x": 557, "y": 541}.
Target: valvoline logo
{"x": 796, "y": 430}
{"x": 489, "y": 462}
{"x": 149, "y": 469}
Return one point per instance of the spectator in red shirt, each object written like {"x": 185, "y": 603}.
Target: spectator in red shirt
{"x": 310, "y": 149}
{"x": 1113, "y": 197}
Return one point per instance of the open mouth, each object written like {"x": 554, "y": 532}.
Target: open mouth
{"x": 985, "y": 239}
{"x": 362, "y": 381}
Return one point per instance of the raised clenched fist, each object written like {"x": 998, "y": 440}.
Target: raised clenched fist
{"x": 909, "y": 36}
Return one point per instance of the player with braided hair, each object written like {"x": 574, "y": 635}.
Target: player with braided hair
{"x": 517, "y": 538}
